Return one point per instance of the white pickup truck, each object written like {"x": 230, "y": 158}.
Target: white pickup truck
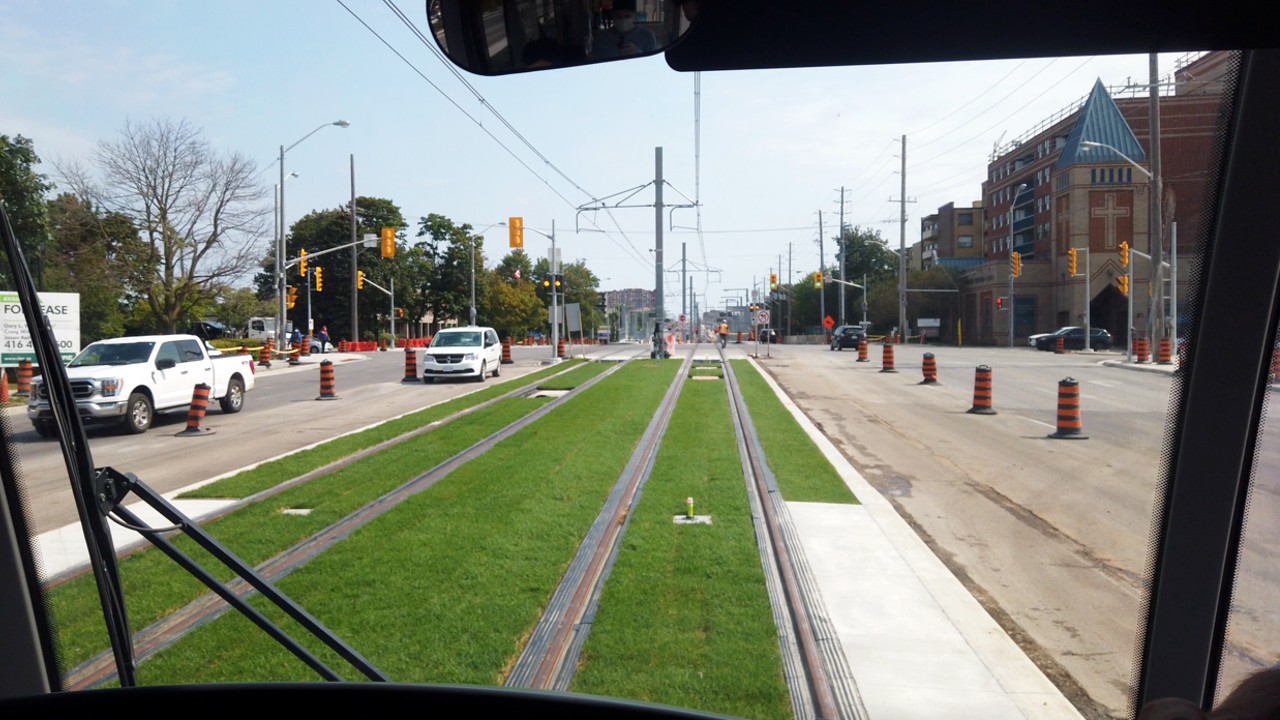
{"x": 128, "y": 380}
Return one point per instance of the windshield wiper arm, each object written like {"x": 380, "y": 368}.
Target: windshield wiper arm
{"x": 76, "y": 455}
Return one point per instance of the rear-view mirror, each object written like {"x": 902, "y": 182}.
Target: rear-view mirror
{"x": 498, "y": 37}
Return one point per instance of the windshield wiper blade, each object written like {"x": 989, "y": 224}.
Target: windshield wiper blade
{"x": 76, "y": 455}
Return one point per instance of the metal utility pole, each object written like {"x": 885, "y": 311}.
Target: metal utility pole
{"x": 555, "y": 311}
{"x": 822, "y": 267}
{"x": 355, "y": 250}
{"x": 658, "y": 346}
{"x": 684, "y": 282}
{"x": 1155, "y": 315}
{"x": 790, "y": 287}
{"x": 841, "y": 249}
{"x": 902, "y": 246}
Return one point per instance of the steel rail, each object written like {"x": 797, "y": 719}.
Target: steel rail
{"x": 549, "y": 659}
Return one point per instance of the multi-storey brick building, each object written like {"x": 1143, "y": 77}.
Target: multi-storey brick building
{"x": 1082, "y": 180}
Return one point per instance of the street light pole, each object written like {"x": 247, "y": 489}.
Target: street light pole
{"x": 1012, "y": 304}
{"x": 280, "y": 282}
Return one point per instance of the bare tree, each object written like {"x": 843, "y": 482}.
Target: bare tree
{"x": 199, "y": 212}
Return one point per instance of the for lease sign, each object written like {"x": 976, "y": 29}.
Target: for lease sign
{"x": 63, "y": 311}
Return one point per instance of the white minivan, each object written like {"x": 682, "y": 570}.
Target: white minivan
{"x": 463, "y": 352}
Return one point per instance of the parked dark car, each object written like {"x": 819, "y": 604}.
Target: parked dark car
{"x": 847, "y": 336}
{"x": 1072, "y": 339}
{"x": 768, "y": 335}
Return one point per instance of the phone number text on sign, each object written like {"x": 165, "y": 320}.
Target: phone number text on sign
{"x": 63, "y": 311}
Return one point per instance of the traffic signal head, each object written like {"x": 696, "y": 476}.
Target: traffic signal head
{"x": 1124, "y": 254}
{"x": 559, "y": 280}
{"x": 388, "y": 244}
{"x": 1071, "y": 261}
{"x": 1015, "y": 263}
{"x": 1122, "y": 282}
{"x": 319, "y": 279}
{"x": 773, "y": 281}
{"x": 817, "y": 280}
{"x": 359, "y": 279}
{"x": 515, "y": 231}
{"x": 399, "y": 312}
{"x": 999, "y": 303}
{"x": 546, "y": 282}
{"x": 302, "y": 263}
{"x": 292, "y": 298}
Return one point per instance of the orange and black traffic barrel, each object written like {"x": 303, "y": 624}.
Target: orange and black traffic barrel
{"x": 1166, "y": 352}
{"x": 199, "y": 404}
{"x": 1069, "y": 426}
{"x": 886, "y": 364}
{"x": 560, "y": 348}
{"x": 1142, "y": 349}
{"x": 24, "y": 377}
{"x": 1060, "y": 346}
{"x": 862, "y": 350}
{"x": 327, "y": 383}
{"x": 982, "y": 391}
{"x": 264, "y": 356}
{"x": 506, "y": 352}
{"x": 930, "y": 369}
{"x": 410, "y": 365}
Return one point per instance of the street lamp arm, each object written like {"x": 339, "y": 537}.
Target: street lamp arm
{"x": 1089, "y": 144}
{"x": 339, "y": 123}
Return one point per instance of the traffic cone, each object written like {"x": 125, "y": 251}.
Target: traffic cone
{"x": 199, "y": 404}
{"x": 982, "y": 392}
{"x": 1069, "y": 427}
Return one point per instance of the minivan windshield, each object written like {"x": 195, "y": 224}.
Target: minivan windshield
{"x": 457, "y": 339}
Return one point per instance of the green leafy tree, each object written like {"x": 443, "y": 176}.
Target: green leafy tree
{"x": 100, "y": 256}
{"x": 199, "y": 212}
{"x": 23, "y": 191}
{"x": 235, "y": 306}
{"x": 446, "y": 247}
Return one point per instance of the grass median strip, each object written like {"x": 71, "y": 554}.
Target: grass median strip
{"x": 444, "y": 587}
{"x": 804, "y": 474}
{"x": 684, "y": 619}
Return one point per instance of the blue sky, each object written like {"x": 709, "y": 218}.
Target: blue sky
{"x": 775, "y": 147}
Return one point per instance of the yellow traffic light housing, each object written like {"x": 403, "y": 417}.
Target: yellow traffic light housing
{"x": 515, "y": 231}
{"x": 292, "y": 298}
{"x": 302, "y": 263}
{"x": 359, "y": 279}
{"x": 1124, "y": 254}
{"x": 319, "y": 280}
{"x": 773, "y": 281}
{"x": 388, "y": 243}
{"x": 1071, "y": 261}
{"x": 1122, "y": 282}
{"x": 1015, "y": 263}
{"x": 817, "y": 280}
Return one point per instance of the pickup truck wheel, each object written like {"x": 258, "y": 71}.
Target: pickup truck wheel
{"x": 46, "y": 430}
{"x": 233, "y": 401}
{"x": 138, "y": 417}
